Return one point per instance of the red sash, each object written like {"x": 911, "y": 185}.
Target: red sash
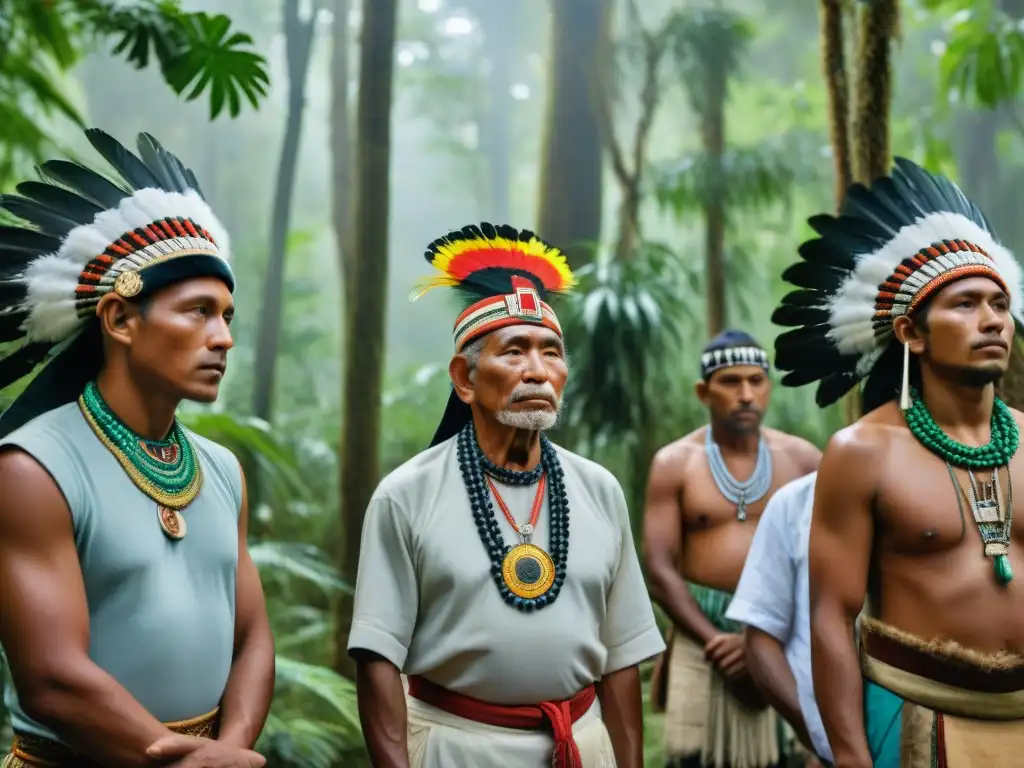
{"x": 558, "y": 715}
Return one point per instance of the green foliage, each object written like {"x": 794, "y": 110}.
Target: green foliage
{"x": 624, "y": 327}
{"x": 42, "y": 41}
{"x": 983, "y": 61}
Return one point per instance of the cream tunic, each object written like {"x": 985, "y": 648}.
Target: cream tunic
{"x": 425, "y": 600}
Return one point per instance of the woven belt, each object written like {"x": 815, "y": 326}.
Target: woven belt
{"x": 31, "y": 751}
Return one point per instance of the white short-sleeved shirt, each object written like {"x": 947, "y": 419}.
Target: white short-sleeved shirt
{"x": 773, "y": 593}
{"x": 426, "y": 601}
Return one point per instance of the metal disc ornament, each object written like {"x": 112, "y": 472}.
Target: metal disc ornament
{"x": 172, "y": 523}
{"x": 528, "y": 571}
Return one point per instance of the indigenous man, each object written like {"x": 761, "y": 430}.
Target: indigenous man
{"x": 914, "y": 510}
{"x": 697, "y": 528}
{"x": 771, "y": 600}
{"x": 131, "y": 615}
{"x": 497, "y": 570}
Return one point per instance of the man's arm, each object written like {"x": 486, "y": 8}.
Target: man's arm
{"x": 44, "y": 626}
{"x": 250, "y": 686}
{"x": 842, "y": 529}
{"x": 663, "y": 548}
{"x": 770, "y": 671}
{"x": 622, "y": 711}
{"x": 382, "y": 710}
{"x": 383, "y": 622}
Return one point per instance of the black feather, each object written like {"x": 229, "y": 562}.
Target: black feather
{"x": 855, "y": 236}
{"x": 165, "y": 166}
{"x": 804, "y": 376}
{"x": 10, "y": 325}
{"x": 822, "y": 251}
{"x": 27, "y": 240}
{"x": 87, "y": 183}
{"x": 804, "y": 298}
{"x": 821, "y": 278}
{"x": 12, "y": 292}
{"x": 13, "y": 263}
{"x": 61, "y": 201}
{"x": 22, "y": 362}
{"x": 49, "y": 221}
{"x": 131, "y": 168}
{"x": 791, "y": 316}
{"x": 834, "y": 386}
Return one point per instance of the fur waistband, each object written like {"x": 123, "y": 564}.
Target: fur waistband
{"x": 943, "y": 675}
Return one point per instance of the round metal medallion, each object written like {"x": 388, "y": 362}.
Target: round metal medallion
{"x": 528, "y": 571}
{"x": 172, "y": 523}
{"x": 128, "y": 285}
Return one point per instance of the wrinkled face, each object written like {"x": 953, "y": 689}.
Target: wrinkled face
{"x": 179, "y": 339}
{"x": 519, "y": 377}
{"x": 965, "y": 332}
{"x": 737, "y": 397}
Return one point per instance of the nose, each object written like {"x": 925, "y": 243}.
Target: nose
{"x": 991, "y": 320}
{"x": 535, "y": 372}
{"x": 220, "y": 336}
{"x": 746, "y": 393}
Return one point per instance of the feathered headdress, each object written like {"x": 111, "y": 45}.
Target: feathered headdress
{"x": 92, "y": 236}
{"x": 892, "y": 246}
{"x": 504, "y": 275}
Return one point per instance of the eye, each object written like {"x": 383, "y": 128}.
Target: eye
{"x": 201, "y": 311}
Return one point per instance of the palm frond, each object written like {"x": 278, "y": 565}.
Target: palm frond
{"x": 302, "y": 561}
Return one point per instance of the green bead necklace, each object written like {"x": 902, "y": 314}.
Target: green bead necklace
{"x": 984, "y": 499}
{"x": 167, "y": 471}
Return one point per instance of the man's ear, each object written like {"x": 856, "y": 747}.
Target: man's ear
{"x": 908, "y": 332}
{"x": 701, "y": 390}
{"x": 115, "y": 319}
{"x": 458, "y": 370}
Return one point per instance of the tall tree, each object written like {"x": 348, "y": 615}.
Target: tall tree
{"x": 298, "y": 34}
{"x": 571, "y": 169}
{"x": 366, "y": 320}
{"x": 341, "y": 148}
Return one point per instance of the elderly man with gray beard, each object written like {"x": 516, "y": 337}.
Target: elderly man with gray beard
{"x": 519, "y": 632}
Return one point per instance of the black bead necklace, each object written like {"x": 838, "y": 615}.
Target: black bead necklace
{"x": 473, "y": 464}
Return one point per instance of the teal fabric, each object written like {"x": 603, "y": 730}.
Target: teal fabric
{"x": 713, "y": 604}
{"x": 883, "y": 721}
{"x": 161, "y": 613}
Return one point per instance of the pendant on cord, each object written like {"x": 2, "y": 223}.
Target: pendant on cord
{"x": 527, "y": 570}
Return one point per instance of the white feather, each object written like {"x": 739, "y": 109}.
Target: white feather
{"x": 51, "y": 280}
{"x": 852, "y": 308}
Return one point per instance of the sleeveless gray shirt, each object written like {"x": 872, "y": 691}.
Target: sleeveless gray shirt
{"x": 161, "y": 612}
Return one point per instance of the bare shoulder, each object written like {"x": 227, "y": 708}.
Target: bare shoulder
{"x": 806, "y": 453}
{"x": 867, "y": 441}
{"x": 673, "y": 460}
{"x": 1018, "y": 416}
{"x": 28, "y": 490}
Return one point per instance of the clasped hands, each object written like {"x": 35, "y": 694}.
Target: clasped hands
{"x": 726, "y": 652}
{"x": 180, "y": 751}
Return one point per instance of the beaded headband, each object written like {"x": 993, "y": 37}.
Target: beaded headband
{"x": 893, "y": 246}
{"x": 717, "y": 359}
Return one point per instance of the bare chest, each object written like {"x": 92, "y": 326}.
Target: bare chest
{"x": 926, "y": 506}
{"x": 710, "y": 501}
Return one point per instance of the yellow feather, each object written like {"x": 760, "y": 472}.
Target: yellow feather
{"x": 428, "y": 284}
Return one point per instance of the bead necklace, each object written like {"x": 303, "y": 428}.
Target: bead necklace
{"x": 740, "y": 493}
{"x": 997, "y": 453}
{"x": 993, "y": 518}
{"x": 527, "y": 577}
{"x": 167, "y": 471}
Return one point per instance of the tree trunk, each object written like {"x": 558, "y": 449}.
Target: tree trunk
{"x": 299, "y": 45}
{"x": 873, "y": 95}
{"x": 833, "y": 57}
{"x": 713, "y": 134}
{"x": 341, "y": 150}
{"x": 366, "y": 326}
{"x": 569, "y": 213}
